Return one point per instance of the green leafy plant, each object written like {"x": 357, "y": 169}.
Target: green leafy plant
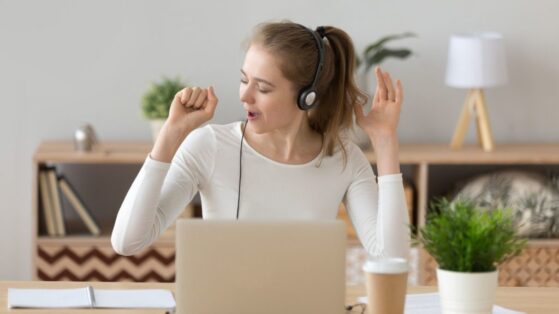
{"x": 376, "y": 52}
{"x": 157, "y": 100}
{"x": 464, "y": 238}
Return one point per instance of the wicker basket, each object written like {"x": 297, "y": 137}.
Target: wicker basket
{"x": 536, "y": 266}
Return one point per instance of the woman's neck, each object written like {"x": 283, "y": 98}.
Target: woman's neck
{"x": 295, "y": 144}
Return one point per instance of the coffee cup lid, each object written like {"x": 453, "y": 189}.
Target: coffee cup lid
{"x": 386, "y": 265}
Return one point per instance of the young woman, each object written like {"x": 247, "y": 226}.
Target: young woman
{"x": 289, "y": 159}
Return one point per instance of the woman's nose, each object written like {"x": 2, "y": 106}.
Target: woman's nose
{"x": 246, "y": 94}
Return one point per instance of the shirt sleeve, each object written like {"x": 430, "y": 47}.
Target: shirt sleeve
{"x": 378, "y": 211}
{"x": 161, "y": 191}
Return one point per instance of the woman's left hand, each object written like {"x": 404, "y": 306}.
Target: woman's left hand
{"x": 382, "y": 120}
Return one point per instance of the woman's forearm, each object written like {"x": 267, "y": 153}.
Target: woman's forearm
{"x": 386, "y": 150}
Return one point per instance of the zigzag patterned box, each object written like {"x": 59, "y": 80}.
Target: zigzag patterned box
{"x": 99, "y": 262}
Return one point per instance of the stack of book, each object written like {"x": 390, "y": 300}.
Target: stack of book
{"x": 52, "y": 188}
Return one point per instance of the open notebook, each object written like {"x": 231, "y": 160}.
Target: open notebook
{"x": 90, "y": 298}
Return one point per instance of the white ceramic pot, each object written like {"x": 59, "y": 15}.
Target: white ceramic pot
{"x": 467, "y": 293}
{"x": 156, "y": 125}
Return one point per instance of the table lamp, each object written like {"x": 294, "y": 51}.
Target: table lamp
{"x": 475, "y": 61}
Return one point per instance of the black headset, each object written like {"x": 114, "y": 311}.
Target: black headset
{"x": 308, "y": 96}
{"x": 306, "y": 100}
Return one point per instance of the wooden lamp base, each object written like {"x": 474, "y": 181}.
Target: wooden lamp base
{"x": 474, "y": 105}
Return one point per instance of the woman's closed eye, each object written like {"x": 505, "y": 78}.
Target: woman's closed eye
{"x": 263, "y": 90}
{"x": 260, "y": 89}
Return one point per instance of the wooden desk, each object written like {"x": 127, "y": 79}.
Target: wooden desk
{"x": 527, "y": 299}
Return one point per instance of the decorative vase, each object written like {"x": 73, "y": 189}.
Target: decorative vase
{"x": 467, "y": 293}
{"x": 156, "y": 125}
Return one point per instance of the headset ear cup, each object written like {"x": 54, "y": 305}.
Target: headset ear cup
{"x": 307, "y": 99}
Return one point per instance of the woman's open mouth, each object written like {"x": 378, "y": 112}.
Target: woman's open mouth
{"x": 251, "y": 115}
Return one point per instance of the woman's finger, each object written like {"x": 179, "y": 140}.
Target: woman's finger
{"x": 192, "y": 99}
{"x": 389, "y": 86}
{"x": 185, "y": 95}
{"x": 399, "y": 92}
{"x": 380, "y": 84}
{"x": 182, "y": 95}
{"x": 212, "y": 101}
{"x": 200, "y": 99}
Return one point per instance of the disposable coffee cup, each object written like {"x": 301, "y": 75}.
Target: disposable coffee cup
{"x": 386, "y": 280}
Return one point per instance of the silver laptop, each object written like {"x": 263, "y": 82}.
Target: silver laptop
{"x": 243, "y": 267}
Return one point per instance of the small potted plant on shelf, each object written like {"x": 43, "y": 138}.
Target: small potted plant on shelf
{"x": 157, "y": 101}
{"x": 468, "y": 244}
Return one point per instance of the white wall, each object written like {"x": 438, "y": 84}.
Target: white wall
{"x": 63, "y": 63}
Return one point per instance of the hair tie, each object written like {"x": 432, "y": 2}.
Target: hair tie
{"x": 321, "y": 31}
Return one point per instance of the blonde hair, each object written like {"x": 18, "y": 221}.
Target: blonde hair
{"x": 296, "y": 50}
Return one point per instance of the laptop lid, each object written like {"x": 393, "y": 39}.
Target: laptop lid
{"x": 226, "y": 266}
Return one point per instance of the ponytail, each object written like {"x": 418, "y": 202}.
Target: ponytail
{"x": 338, "y": 92}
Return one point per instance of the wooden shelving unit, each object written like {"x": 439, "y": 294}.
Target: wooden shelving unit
{"x": 431, "y": 169}
{"x": 86, "y": 257}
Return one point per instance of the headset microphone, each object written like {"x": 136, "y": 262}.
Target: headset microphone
{"x": 240, "y": 168}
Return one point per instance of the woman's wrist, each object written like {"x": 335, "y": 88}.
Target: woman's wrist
{"x": 168, "y": 142}
{"x": 383, "y": 138}
{"x": 387, "y": 154}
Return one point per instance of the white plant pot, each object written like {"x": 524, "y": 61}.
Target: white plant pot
{"x": 156, "y": 125}
{"x": 467, "y": 293}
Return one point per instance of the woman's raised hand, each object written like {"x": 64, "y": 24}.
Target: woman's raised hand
{"x": 192, "y": 107}
{"x": 382, "y": 120}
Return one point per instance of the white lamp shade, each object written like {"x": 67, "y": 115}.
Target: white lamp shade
{"x": 476, "y": 60}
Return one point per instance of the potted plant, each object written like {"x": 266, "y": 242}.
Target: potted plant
{"x": 376, "y": 52}
{"x": 157, "y": 101}
{"x": 468, "y": 244}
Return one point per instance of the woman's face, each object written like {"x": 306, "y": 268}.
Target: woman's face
{"x": 267, "y": 96}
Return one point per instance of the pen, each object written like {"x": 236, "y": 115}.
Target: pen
{"x": 91, "y": 297}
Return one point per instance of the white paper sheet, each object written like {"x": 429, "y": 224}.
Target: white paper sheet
{"x": 145, "y": 298}
{"x": 78, "y": 298}
{"x": 429, "y": 303}
{"x": 52, "y": 298}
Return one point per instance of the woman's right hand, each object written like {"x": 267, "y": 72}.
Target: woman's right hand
{"x": 192, "y": 107}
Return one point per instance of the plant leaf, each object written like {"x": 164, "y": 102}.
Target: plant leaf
{"x": 379, "y": 43}
{"x": 384, "y": 53}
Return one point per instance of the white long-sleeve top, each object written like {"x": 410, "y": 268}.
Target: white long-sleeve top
{"x": 208, "y": 161}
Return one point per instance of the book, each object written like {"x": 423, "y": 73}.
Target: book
{"x": 89, "y": 297}
{"x": 56, "y": 204}
{"x": 78, "y": 205}
{"x": 46, "y": 203}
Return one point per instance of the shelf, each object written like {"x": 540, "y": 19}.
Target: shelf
{"x": 110, "y": 152}
{"x": 535, "y": 153}
{"x": 168, "y": 238}
{"x": 136, "y": 152}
